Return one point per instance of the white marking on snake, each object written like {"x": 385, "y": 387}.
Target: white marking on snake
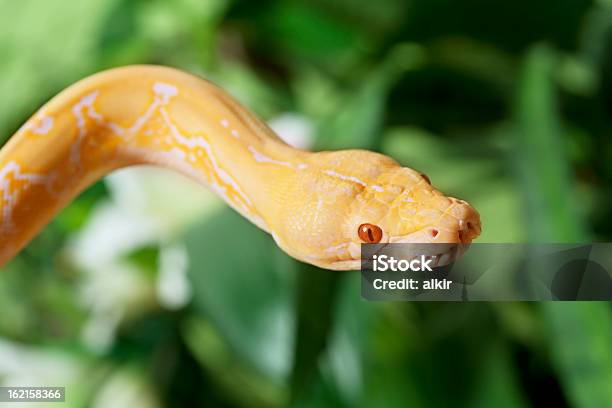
{"x": 336, "y": 248}
{"x": 343, "y": 177}
{"x": 8, "y": 198}
{"x": 91, "y": 112}
{"x": 224, "y": 123}
{"x": 178, "y": 152}
{"x": 166, "y": 91}
{"x": 44, "y": 125}
{"x": 262, "y": 158}
{"x": 163, "y": 93}
{"x": 87, "y": 103}
{"x": 77, "y": 110}
{"x": 235, "y": 133}
{"x": 378, "y": 188}
{"x": 199, "y": 141}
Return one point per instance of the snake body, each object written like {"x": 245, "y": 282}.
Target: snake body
{"x": 313, "y": 204}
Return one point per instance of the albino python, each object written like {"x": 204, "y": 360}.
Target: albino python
{"x": 319, "y": 207}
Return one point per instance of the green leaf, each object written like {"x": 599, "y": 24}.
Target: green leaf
{"x": 541, "y": 158}
{"x": 45, "y": 46}
{"x": 239, "y": 381}
{"x": 358, "y": 122}
{"x": 304, "y": 30}
{"x": 580, "y": 334}
{"x": 497, "y": 384}
{"x": 580, "y": 337}
{"x": 317, "y": 290}
{"x": 244, "y": 284}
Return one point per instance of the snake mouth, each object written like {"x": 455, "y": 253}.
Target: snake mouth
{"x": 412, "y": 246}
{"x": 440, "y": 254}
{"x": 347, "y": 265}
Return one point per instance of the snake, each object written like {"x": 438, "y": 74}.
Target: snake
{"x": 319, "y": 207}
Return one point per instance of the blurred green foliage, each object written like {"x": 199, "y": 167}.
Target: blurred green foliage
{"x": 505, "y": 104}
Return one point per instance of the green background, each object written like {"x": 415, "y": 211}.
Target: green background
{"x": 146, "y": 291}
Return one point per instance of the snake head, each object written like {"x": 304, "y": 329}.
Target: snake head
{"x": 401, "y": 206}
{"x": 353, "y": 197}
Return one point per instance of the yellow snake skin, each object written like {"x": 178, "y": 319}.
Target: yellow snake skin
{"x": 311, "y": 203}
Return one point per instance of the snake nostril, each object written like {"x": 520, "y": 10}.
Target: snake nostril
{"x": 468, "y": 231}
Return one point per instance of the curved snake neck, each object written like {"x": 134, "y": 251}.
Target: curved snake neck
{"x": 157, "y": 115}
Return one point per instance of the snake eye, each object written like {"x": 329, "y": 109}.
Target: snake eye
{"x": 370, "y": 233}
{"x": 426, "y": 178}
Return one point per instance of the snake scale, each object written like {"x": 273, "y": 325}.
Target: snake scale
{"x": 318, "y": 206}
